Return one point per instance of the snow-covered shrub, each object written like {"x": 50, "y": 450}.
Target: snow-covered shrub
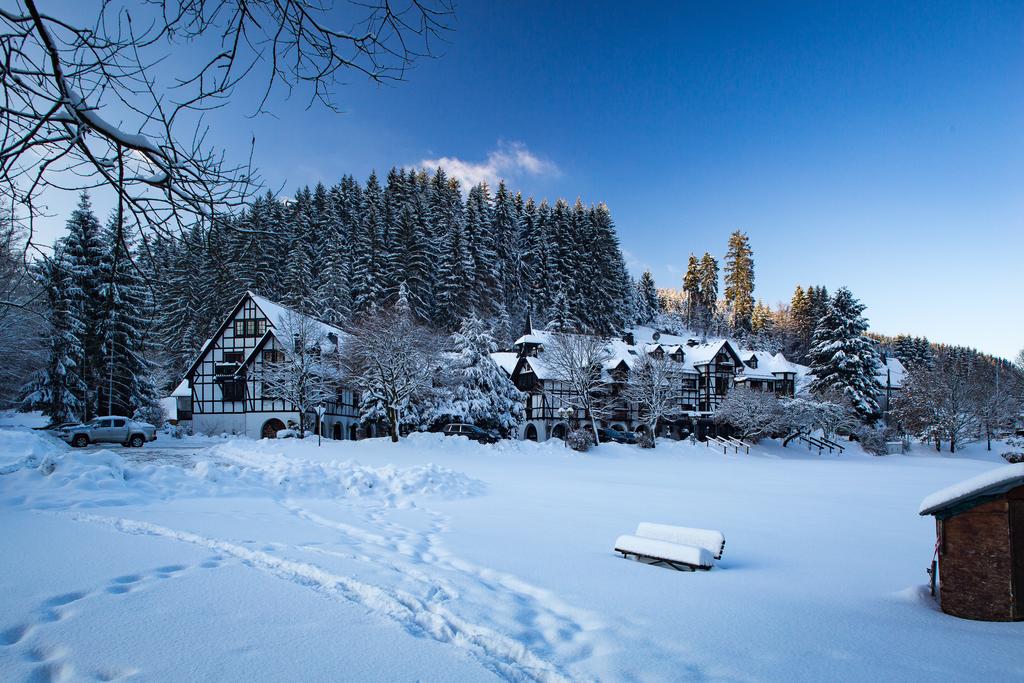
{"x": 580, "y": 439}
{"x": 645, "y": 438}
{"x": 1015, "y": 454}
{"x": 174, "y": 431}
{"x": 871, "y": 439}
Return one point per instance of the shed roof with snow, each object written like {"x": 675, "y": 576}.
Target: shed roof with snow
{"x": 974, "y": 491}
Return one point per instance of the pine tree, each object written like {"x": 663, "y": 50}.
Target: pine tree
{"x": 125, "y": 373}
{"x": 59, "y": 390}
{"x": 82, "y": 249}
{"x": 480, "y": 392}
{"x": 648, "y": 304}
{"x": 691, "y": 290}
{"x": 761, "y": 321}
{"x": 480, "y": 247}
{"x": 506, "y": 229}
{"x": 367, "y": 247}
{"x": 739, "y": 281}
{"x": 843, "y": 360}
{"x": 611, "y": 284}
{"x": 708, "y": 276}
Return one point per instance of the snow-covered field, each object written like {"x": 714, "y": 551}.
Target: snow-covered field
{"x": 444, "y": 560}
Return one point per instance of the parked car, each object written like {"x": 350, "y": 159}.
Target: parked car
{"x": 607, "y": 434}
{"x": 471, "y": 431}
{"x": 110, "y": 429}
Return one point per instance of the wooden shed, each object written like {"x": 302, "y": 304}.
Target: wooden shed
{"x": 980, "y": 542}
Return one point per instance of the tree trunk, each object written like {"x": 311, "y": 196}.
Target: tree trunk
{"x": 654, "y": 440}
{"x": 393, "y": 424}
{"x": 593, "y": 426}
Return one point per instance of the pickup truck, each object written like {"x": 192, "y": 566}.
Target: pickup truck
{"x": 109, "y": 429}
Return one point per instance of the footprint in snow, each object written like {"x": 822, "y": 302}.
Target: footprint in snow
{"x": 66, "y": 599}
{"x": 14, "y": 634}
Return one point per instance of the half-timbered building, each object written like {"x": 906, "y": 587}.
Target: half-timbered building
{"x": 704, "y": 374}
{"x": 225, "y": 383}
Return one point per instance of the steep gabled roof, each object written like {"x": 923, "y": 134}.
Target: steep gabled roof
{"x": 274, "y": 312}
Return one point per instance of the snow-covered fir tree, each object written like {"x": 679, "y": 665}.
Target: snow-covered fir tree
{"x": 691, "y": 291}
{"x": 648, "y": 304}
{"x": 708, "y": 276}
{"x": 59, "y": 390}
{"x": 476, "y": 390}
{"x": 125, "y": 373}
{"x": 82, "y": 249}
{"x": 843, "y": 359}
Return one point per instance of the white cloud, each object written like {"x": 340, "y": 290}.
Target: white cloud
{"x": 509, "y": 160}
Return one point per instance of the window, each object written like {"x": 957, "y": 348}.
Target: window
{"x": 233, "y": 357}
{"x": 250, "y": 328}
{"x": 233, "y": 390}
{"x": 119, "y": 423}
{"x": 103, "y": 424}
{"x": 273, "y": 356}
{"x": 690, "y": 383}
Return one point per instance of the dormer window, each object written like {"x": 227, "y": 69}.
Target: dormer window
{"x": 752, "y": 362}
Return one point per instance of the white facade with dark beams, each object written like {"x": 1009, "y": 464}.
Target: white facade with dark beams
{"x": 226, "y": 379}
{"x": 703, "y": 375}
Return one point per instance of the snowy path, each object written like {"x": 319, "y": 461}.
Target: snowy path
{"x": 423, "y": 613}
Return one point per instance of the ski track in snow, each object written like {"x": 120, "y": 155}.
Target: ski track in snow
{"x": 52, "y": 661}
{"x": 421, "y": 615}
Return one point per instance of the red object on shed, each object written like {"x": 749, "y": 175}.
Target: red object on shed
{"x": 980, "y": 527}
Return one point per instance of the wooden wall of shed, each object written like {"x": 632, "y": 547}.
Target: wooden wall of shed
{"x": 1017, "y": 550}
{"x": 976, "y": 563}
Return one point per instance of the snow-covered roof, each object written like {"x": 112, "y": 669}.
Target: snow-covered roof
{"x": 532, "y": 338}
{"x": 991, "y": 483}
{"x": 539, "y": 368}
{"x": 182, "y": 389}
{"x": 768, "y": 365}
{"x": 506, "y": 360}
{"x": 276, "y": 312}
{"x": 892, "y": 373}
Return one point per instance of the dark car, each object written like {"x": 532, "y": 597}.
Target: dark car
{"x": 470, "y": 431}
{"x": 616, "y": 436}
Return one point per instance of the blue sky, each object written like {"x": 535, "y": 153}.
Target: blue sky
{"x": 875, "y": 146}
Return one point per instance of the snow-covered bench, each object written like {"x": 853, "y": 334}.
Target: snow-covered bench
{"x": 712, "y": 541}
{"x": 682, "y": 557}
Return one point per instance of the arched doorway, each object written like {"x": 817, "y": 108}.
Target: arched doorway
{"x": 352, "y": 432}
{"x": 531, "y": 433}
{"x": 271, "y": 427}
{"x": 337, "y": 431}
{"x": 558, "y": 431}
